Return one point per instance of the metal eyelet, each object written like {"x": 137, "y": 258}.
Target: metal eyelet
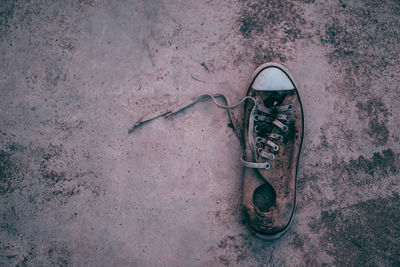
{"x": 257, "y": 129}
{"x": 267, "y": 166}
{"x": 290, "y": 107}
{"x": 273, "y": 157}
{"x": 284, "y": 128}
{"x": 259, "y": 150}
{"x": 256, "y": 118}
{"x": 280, "y": 139}
{"x": 258, "y": 140}
{"x": 275, "y": 148}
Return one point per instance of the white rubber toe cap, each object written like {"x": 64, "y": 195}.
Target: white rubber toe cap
{"x": 272, "y": 79}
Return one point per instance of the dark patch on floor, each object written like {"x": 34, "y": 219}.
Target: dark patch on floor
{"x": 383, "y": 163}
{"x": 232, "y": 249}
{"x": 9, "y": 220}
{"x": 53, "y": 254}
{"x": 362, "y": 171}
{"x": 6, "y": 16}
{"x": 258, "y": 17}
{"x": 308, "y": 249}
{"x": 363, "y": 39}
{"x": 269, "y": 28}
{"x": 52, "y": 166}
{"x": 324, "y": 142}
{"x": 376, "y": 112}
{"x": 58, "y": 255}
{"x": 346, "y": 177}
{"x": 57, "y": 180}
{"x": 31, "y": 181}
{"x": 363, "y": 234}
{"x": 246, "y": 249}
{"x": 55, "y": 34}
{"x": 10, "y": 172}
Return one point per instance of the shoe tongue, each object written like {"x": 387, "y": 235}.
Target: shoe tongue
{"x": 275, "y": 98}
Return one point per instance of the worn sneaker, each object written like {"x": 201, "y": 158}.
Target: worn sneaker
{"x": 273, "y": 134}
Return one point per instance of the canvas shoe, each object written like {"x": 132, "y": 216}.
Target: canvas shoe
{"x": 273, "y": 134}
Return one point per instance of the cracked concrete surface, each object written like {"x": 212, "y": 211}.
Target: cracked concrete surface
{"x": 77, "y": 190}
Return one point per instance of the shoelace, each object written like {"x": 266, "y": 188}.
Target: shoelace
{"x": 260, "y": 118}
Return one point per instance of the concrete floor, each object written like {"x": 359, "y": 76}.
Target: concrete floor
{"x": 77, "y": 190}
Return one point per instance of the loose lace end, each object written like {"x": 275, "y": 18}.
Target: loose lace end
{"x": 150, "y": 117}
{"x": 165, "y": 113}
{"x": 181, "y": 106}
